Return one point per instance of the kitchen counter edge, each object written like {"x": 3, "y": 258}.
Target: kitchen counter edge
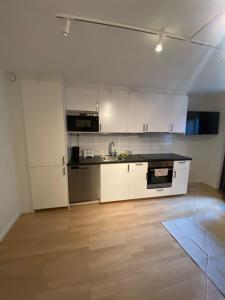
{"x": 135, "y": 158}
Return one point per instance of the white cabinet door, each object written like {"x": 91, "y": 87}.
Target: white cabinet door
{"x": 114, "y": 182}
{"x": 44, "y": 122}
{"x": 113, "y": 110}
{"x": 179, "y": 105}
{"x": 84, "y": 99}
{"x": 136, "y": 112}
{"x": 158, "y": 113}
{"x": 49, "y": 187}
{"x": 138, "y": 180}
{"x": 180, "y": 178}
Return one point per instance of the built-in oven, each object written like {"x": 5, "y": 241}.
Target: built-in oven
{"x": 82, "y": 121}
{"x": 160, "y": 174}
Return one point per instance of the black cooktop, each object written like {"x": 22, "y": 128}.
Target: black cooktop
{"x": 164, "y": 156}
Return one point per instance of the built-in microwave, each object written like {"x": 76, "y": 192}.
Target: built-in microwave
{"x": 82, "y": 121}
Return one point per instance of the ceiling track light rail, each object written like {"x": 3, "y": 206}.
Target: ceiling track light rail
{"x": 151, "y": 31}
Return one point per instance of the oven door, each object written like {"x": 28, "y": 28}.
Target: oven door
{"x": 155, "y": 182}
{"x": 82, "y": 123}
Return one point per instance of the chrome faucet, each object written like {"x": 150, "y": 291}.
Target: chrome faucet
{"x": 111, "y": 148}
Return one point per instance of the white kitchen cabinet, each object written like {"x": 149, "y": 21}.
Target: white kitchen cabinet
{"x": 113, "y": 105}
{"x": 180, "y": 178}
{"x": 179, "y": 105}
{"x": 49, "y": 187}
{"x": 136, "y": 120}
{"x": 114, "y": 182}
{"x": 158, "y": 117}
{"x": 44, "y": 122}
{"x": 138, "y": 180}
{"x": 123, "y": 181}
{"x": 82, "y": 99}
{"x": 45, "y": 136}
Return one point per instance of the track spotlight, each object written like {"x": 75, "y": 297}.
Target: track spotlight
{"x": 159, "y": 47}
{"x": 67, "y": 27}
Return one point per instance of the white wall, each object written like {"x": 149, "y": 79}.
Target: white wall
{"x": 207, "y": 151}
{"x": 9, "y": 200}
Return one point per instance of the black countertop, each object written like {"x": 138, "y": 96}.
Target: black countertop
{"x": 129, "y": 159}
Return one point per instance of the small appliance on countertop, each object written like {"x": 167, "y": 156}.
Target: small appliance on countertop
{"x": 88, "y": 153}
{"x": 75, "y": 152}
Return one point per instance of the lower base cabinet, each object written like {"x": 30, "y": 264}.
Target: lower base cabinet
{"x": 114, "y": 182}
{"x": 180, "y": 178}
{"x": 48, "y": 187}
{"x": 138, "y": 180}
{"x": 123, "y": 181}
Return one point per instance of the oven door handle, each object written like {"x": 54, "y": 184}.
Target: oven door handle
{"x": 152, "y": 170}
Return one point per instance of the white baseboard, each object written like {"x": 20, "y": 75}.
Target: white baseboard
{"x": 9, "y": 226}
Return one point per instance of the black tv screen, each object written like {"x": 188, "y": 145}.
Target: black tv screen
{"x": 202, "y": 122}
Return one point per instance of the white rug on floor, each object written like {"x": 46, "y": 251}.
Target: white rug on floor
{"x": 203, "y": 237}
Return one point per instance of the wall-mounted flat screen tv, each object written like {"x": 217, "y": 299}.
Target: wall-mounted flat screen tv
{"x": 202, "y": 122}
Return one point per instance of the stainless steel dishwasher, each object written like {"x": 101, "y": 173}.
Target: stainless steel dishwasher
{"x": 84, "y": 183}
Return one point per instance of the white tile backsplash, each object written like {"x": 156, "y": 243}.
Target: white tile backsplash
{"x": 147, "y": 143}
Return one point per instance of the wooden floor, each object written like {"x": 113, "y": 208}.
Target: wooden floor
{"x": 116, "y": 251}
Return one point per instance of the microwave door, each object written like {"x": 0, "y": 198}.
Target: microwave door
{"x": 80, "y": 123}
{"x": 83, "y": 124}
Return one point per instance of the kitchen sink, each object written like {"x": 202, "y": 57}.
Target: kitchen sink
{"x": 112, "y": 158}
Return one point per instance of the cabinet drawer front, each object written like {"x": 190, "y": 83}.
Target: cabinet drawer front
{"x": 181, "y": 164}
{"x": 160, "y": 192}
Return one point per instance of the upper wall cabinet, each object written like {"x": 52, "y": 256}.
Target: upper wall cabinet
{"x": 136, "y": 120}
{"x": 44, "y": 122}
{"x": 179, "y": 105}
{"x": 121, "y": 111}
{"x": 158, "y": 116}
{"x": 113, "y": 105}
{"x": 83, "y": 99}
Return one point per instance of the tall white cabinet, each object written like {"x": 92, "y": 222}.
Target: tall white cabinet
{"x": 45, "y": 135}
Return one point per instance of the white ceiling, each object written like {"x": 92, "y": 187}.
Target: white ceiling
{"x": 31, "y": 40}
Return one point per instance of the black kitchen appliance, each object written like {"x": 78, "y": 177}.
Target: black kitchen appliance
{"x": 202, "y": 122}
{"x": 84, "y": 183}
{"x": 82, "y": 121}
{"x": 154, "y": 181}
{"x": 75, "y": 152}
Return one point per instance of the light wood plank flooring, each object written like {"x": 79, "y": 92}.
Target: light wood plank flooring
{"x": 116, "y": 251}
